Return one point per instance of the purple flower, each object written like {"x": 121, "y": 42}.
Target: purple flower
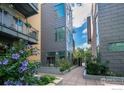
{"x": 8, "y": 82}
{"x": 0, "y": 63}
{"x": 15, "y": 56}
{"x": 12, "y": 83}
{"x": 22, "y": 69}
{"x": 25, "y": 63}
{"x": 23, "y": 66}
{"x": 5, "y": 61}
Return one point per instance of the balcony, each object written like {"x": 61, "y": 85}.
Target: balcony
{"x": 12, "y": 26}
{"x": 27, "y": 9}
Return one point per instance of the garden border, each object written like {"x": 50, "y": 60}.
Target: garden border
{"x": 54, "y": 70}
{"x": 110, "y": 79}
{"x": 66, "y": 71}
{"x": 57, "y": 81}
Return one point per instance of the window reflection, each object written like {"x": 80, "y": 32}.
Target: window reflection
{"x": 60, "y": 10}
{"x": 60, "y": 34}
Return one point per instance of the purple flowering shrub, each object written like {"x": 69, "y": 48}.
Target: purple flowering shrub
{"x": 15, "y": 68}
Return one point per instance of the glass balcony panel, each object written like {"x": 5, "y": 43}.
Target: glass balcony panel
{"x": 25, "y": 29}
{"x": 14, "y": 24}
{"x": 33, "y": 33}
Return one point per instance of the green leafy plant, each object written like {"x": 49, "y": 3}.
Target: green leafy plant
{"x": 47, "y": 79}
{"x": 64, "y": 65}
{"x": 28, "y": 24}
{"x": 97, "y": 68}
{"x": 94, "y": 66}
{"x": 15, "y": 68}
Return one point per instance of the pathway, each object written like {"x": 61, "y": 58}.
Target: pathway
{"x": 75, "y": 77}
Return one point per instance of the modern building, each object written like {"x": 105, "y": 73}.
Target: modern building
{"x": 15, "y": 24}
{"x": 56, "y": 32}
{"x": 91, "y": 30}
{"x": 35, "y": 21}
{"x": 109, "y": 30}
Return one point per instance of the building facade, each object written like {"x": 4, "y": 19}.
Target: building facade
{"x": 92, "y": 30}
{"x": 15, "y": 24}
{"x": 56, "y": 35}
{"x": 35, "y": 21}
{"x": 109, "y": 21}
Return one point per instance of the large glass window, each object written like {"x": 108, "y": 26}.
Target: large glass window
{"x": 116, "y": 47}
{"x": 60, "y": 10}
{"x": 60, "y": 34}
{"x": 61, "y": 54}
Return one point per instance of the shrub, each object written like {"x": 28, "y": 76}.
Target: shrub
{"x": 46, "y": 79}
{"x": 64, "y": 65}
{"x": 28, "y": 24}
{"x": 15, "y": 68}
{"x": 97, "y": 68}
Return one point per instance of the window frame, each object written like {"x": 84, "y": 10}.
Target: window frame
{"x": 56, "y": 34}
{"x": 110, "y": 44}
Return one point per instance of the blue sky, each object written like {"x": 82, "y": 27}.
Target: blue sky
{"x": 80, "y": 15}
{"x": 80, "y": 35}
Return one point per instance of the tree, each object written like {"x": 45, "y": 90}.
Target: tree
{"x": 79, "y": 55}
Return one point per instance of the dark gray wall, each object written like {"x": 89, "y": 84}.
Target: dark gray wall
{"x": 49, "y": 22}
{"x": 111, "y": 29}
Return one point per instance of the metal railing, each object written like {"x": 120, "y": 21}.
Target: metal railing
{"x": 35, "y": 5}
{"x": 11, "y": 22}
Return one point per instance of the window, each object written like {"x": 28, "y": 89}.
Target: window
{"x": 61, "y": 54}
{"x": 19, "y": 25}
{"x": 60, "y": 10}
{"x": 116, "y": 47}
{"x": 60, "y": 34}
{"x": 51, "y": 54}
{"x": 51, "y": 58}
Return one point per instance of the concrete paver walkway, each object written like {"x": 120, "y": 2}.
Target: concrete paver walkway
{"x": 75, "y": 77}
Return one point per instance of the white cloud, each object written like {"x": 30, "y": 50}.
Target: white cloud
{"x": 84, "y": 31}
{"x": 80, "y": 14}
{"x": 84, "y": 45}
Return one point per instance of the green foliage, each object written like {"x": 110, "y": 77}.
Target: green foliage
{"x": 87, "y": 55}
{"x": 15, "y": 68}
{"x": 47, "y": 79}
{"x": 97, "y": 68}
{"x": 94, "y": 66}
{"x": 44, "y": 80}
{"x": 78, "y": 53}
{"x": 28, "y": 24}
{"x": 64, "y": 65}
